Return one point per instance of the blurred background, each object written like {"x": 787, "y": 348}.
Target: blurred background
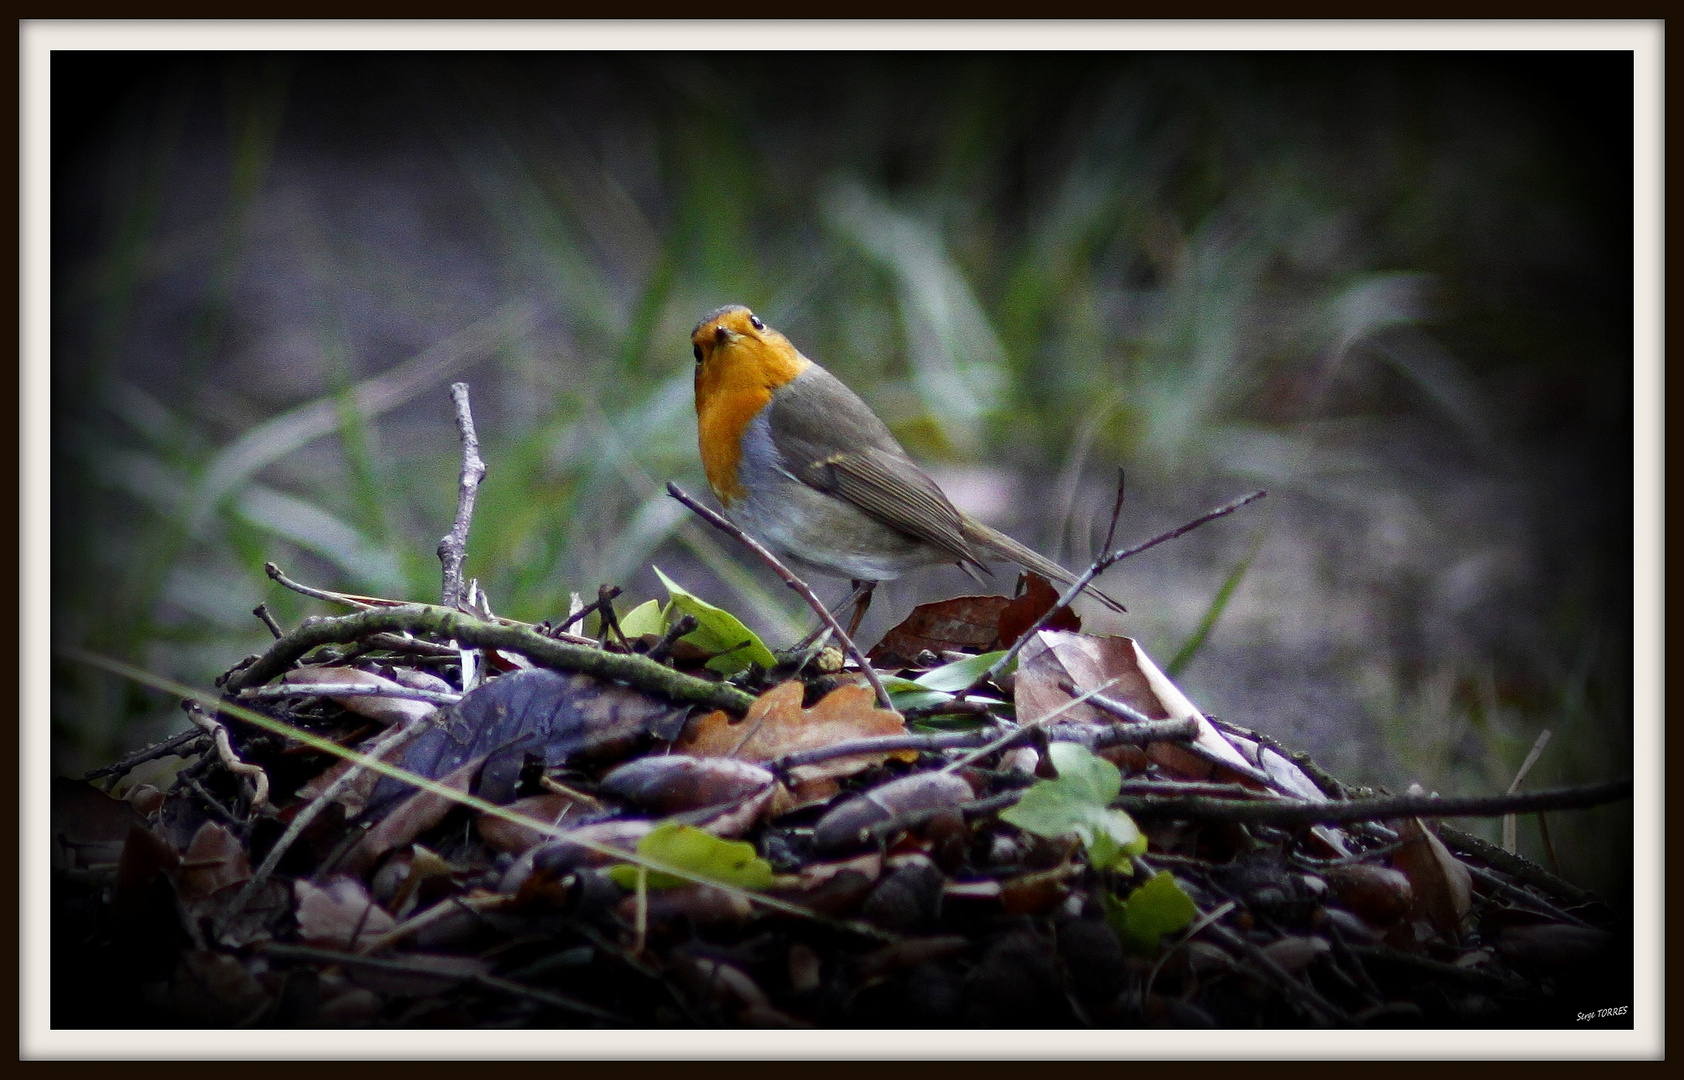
{"x": 1393, "y": 289}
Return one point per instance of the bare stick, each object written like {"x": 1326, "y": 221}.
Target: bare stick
{"x": 337, "y": 690}
{"x": 1116, "y": 513}
{"x": 263, "y": 613}
{"x": 793, "y": 582}
{"x": 1098, "y": 567}
{"x": 1091, "y": 736}
{"x": 169, "y": 746}
{"x": 1395, "y": 806}
{"x": 453, "y": 549}
{"x": 279, "y": 578}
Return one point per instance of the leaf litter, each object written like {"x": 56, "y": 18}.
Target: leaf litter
{"x": 809, "y": 860}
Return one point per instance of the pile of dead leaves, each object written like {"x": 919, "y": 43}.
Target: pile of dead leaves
{"x": 586, "y": 850}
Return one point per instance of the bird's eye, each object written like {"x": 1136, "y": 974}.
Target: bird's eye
{"x": 754, "y": 320}
{"x": 720, "y": 333}
{"x": 697, "y": 349}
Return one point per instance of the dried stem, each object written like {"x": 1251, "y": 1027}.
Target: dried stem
{"x": 801, "y": 587}
{"x": 453, "y": 549}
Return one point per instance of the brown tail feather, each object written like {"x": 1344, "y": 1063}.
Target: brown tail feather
{"x": 1000, "y": 544}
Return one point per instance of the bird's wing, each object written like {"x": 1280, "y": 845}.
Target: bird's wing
{"x": 816, "y": 416}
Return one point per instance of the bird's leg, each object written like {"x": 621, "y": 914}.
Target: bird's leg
{"x": 861, "y": 599}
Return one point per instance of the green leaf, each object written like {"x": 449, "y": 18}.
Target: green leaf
{"x": 1157, "y": 908}
{"x": 729, "y": 862}
{"x": 939, "y": 684}
{"x": 960, "y": 673}
{"x": 1078, "y": 801}
{"x": 717, "y": 631}
{"x": 645, "y": 618}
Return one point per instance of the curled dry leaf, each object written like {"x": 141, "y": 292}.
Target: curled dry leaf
{"x": 671, "y": 784}
{"x": 1443, "y": 886}
{"x": 1294, "y": 953}
{"x": 845, "y": 825}
{"x": 1089, "y": 662}
{"x": 558, "y": 856}
{"x": 339, "y": 914}
{"x": 550, "y": 808}
{"x": 1379, "y": 894}
{"x": 410, "y": 818}
{"x": 776, "y": 725}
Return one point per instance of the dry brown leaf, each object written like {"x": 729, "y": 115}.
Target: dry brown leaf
{"x": 1036, "y": 597}
{"x": 1443, "y": 886}
{"x": 777, "y": 725}
{"x": 339, "y": 914}
{"x": 1088, "y": 662}
{"x": 213, "y": 860}
{"x": 962, "y": 623}
{"x": 410, "y": 818}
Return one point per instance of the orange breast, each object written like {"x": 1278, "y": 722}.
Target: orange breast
{"x": 732, "y": 385}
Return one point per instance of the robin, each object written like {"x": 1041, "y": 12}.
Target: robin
{"x": 800, "y": 462}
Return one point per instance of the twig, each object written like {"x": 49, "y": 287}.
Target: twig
{"x": 605, "y": 595}
{"x": 1116, "y": 512}
{"x": 279, "y": 578}
{"x": 1330, "y": 813}
{"x": 1092, "y": 737}
{"x": 408, "y": 693}
{"x": 686, "y": 624}
{"x": 1516, "y": 866}
{"x": 1296, "y": 988}
{"x": 1099, "y": 566}
{"x": 263, "y": 613}
{"x": 224, "y": 750}
{"x": 387, "y": 742}
{"x": 801, "y": 587}
{"x": 1121, "y": 710}
{"x": 584, "y": 612}
{"x": 151, "y": 753}
{"x": 949, "y": 708}
{"x": 1330, "y": 785}
{"x": 996, "y": 744}
{"x": 448, "y": 624}
{"x": 453, "y": 549}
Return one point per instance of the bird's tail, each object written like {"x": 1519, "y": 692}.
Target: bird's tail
{"x": 999, "y": 543}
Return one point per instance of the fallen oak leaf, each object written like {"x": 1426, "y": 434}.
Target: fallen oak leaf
{"x": 776, "y": 725}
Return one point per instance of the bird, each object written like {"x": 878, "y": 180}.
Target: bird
{"x": 800, "y": 463}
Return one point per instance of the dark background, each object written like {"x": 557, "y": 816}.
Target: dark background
{"x": 1393, "y": 289}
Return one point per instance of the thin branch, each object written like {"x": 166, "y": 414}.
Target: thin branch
{"x": 1099, "y": 566}
{"x": 801, "y": 587}
{"x": 1508, "y": 862}
{"x": 263, "y": 613}
{"x": 407, "y": 693}
{"x": 448, "y": 624}
{"x": 1091, "y": 736}
{"x": 1332, "y": 813}
{"x": 453, "y": 549}
{"x": 279, "y": 578}
{"x": 169, "y": 746}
